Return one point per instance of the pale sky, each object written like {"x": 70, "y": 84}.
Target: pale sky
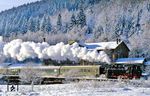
{"x": 8, "y": 4}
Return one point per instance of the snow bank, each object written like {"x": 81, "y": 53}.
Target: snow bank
{"x": 20, "y": 50}
{"x": 78, "y": 89}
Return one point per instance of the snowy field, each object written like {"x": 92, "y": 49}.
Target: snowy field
{"x": 84, "y": 88}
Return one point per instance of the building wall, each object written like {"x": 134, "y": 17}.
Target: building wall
{"x": 121, "y": 51}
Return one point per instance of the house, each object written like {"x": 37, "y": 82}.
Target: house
{"x": 114, "y": 49}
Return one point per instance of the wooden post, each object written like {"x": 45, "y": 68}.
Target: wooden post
{"x": 7, "y": 87}
{"x": 7, "y": 84}
{"x": 17, "y": 87}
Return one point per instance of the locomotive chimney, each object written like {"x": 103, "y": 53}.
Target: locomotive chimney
{"x": 44, "y": 39}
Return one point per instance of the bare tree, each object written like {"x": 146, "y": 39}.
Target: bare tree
{"x": 30, "y": 74}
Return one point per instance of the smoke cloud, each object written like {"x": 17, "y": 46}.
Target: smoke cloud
{"x": 17, "y": 49}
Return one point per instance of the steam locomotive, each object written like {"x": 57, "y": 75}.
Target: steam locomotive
{"x": 112, "y": 71}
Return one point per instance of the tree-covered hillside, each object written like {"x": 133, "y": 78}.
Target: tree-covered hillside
{"x": 85, "y": 20}
{"x": 33, "y": 16}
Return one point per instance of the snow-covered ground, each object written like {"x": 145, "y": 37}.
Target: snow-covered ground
{"x": 84, "y": 88}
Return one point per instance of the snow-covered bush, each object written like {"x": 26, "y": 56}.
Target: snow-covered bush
{"x": 30, "y": 75}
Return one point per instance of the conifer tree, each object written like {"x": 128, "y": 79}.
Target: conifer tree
{"x": 73, "y": 21}
{"x": 46, "y": 24}
{"x": 31, "y": 24}
{"x": 81, "y": 18}
{"x": 37, "y": 24}
{"x": 59, "y": 22}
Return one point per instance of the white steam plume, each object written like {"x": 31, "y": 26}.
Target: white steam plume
{"x": 20, "y": 50}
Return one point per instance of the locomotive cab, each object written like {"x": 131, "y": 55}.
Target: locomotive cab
{"x": 124, "y": 71}
{"x": 126, "y": 68}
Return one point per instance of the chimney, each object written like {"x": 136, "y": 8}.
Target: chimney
{"x": 117, "y": 41}
{"x": 44, "y": 39}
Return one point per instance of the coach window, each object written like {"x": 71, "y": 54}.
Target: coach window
{"x": 82, "y": 70}
{"x": 88, "y": 70}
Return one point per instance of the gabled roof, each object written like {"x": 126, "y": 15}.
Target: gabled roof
{"x": 16, "y": 65}
{"x": 102, "y": 45}
{"x": 130, "y": 61}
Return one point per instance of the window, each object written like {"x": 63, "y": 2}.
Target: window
{"x": 88, "y": 70}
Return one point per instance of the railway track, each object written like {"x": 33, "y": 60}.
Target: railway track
{"x": 62, "y": 80}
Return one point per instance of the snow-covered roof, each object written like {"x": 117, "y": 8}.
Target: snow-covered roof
{"x": 20, "y": 65}
{"x": 147, "y": 63}
{"x": 24, "y": 65}
{"x": 101, "y": 45}
{"x": 16, "y": 65}
{"x": 130, "y": 61}
{"x": 4, "y": 65}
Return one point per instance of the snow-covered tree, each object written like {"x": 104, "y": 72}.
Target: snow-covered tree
{"x": 30, "y": 75}
{"x": 59, "y": 22}
{"x": 46, "y": 24}
{"x": 37, "y": 24}
{"x": 90, "y": 20}
{"x": 125, "y": 27}
{"x": 140, "y": 45}
{"x": 31, "y": 25}
{"x": 81, "y": 18}
{"x": 73, "y": 21}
